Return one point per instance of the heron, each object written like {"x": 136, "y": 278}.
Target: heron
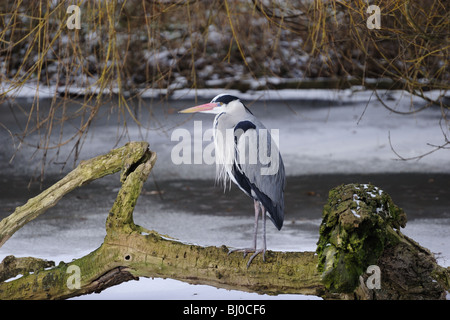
{"x": 247, "y": 155}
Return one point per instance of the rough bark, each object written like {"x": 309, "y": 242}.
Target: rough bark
{"x": 130, "y": 251}
{"x": 361, "y": 228}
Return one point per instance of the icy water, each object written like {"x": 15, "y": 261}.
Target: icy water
{"x": 323, "y": 145}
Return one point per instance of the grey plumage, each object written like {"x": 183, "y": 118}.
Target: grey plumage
{"x": 247, "y": 154}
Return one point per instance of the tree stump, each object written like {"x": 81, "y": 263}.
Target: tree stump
{"x": 361, "y": 243}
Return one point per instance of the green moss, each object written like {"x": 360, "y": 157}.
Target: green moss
{"x": 357, "y": 223}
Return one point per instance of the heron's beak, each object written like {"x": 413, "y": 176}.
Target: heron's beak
{"x": 201, "y": 108}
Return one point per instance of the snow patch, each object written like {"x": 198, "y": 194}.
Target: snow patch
{"x": 355, "y": 214}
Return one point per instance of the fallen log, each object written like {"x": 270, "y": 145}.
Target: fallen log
{"x": 130, "y": 251}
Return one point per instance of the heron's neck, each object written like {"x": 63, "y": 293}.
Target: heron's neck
{"x": 232, "y": 117}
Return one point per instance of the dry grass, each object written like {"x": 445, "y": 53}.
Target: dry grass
{"x": 124, "y": 47}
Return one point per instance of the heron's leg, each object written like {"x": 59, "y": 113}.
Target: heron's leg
{"x": 255, "y": 227}
{"x": 255, "y": 232}
{"x": 263, "y": 250}
{"x": 263, "y": 212}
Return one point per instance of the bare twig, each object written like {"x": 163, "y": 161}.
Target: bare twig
{"x": 436, "y": 148}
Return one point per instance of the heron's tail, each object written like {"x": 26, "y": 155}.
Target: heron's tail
{"x": 275, "y": 210}
{"x": 277, "y": 216}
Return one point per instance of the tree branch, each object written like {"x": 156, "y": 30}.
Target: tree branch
{"x": 118, "y": 159}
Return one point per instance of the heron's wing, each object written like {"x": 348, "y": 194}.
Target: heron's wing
{"x": 258, "y": 168}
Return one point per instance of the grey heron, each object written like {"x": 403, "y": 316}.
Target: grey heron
{"x": 250, "y": 158}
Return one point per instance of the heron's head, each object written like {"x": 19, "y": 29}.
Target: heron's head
{"x": 221, "y": 103}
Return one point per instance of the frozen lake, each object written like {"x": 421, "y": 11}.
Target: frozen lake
{"x": 326, "y": 138}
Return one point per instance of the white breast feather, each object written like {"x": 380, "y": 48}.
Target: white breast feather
{"x": 225, "y": 153}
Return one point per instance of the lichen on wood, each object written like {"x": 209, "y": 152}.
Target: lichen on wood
{"x": 12, "y": 266}
{"x": 361, "y": 228}
{"x": 353, "y": 233}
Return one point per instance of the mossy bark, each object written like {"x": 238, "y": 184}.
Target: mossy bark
{"x": 361, "y": 228}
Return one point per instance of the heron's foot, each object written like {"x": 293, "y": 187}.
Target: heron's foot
{"x": 249, "y": 250}
{"x": 263, "y": 251}
{"x": 246, "y": 251}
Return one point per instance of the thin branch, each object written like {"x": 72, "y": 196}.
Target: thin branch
{"x": 436, "y": 148}
{"x": 122, "y": 158}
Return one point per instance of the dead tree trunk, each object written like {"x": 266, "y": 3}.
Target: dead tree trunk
{"x": 363, "y": 254}
{"x": 130, "y": 251}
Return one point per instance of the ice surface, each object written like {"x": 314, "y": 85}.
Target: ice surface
{"x": 321, "y": 131}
